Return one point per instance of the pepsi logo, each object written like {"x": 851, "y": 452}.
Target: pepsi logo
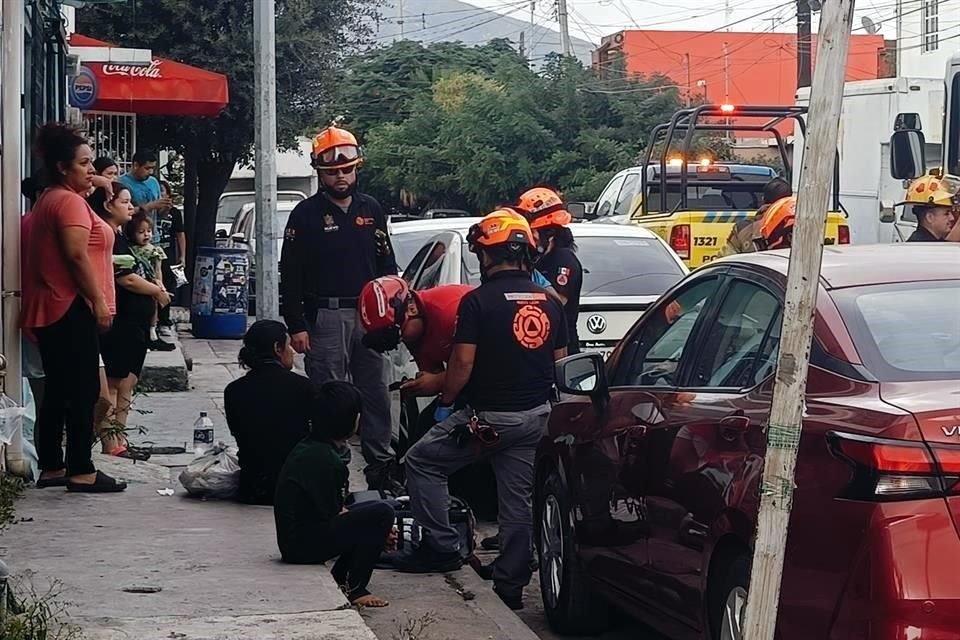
{"x": 83, "y": 89}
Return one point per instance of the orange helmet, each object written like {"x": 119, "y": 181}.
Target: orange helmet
{"x": 502, "y": 227}
{"x": 776, "y": 225}
{"x": 544, "y": 207}
{"x": 335, "y": 148}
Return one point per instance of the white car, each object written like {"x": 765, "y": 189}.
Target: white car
{"x": 625, "y": 269}
{"x": 408, "y": 236}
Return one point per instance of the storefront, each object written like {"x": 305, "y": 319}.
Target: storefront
{"x": 112, "y": 94}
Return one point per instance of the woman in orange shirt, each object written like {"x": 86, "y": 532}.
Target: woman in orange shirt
{"x": 67, "y": 304}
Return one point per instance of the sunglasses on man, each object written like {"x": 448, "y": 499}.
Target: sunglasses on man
{"x": 345, "y": 171}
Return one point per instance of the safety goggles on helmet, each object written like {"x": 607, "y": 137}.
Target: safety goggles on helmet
{"x": 502, "y": 227}
{"x": 338, "y": 156}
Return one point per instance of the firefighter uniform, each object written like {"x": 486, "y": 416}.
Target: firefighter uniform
{"x": 328, "y": 256}
{"x": 517, "y": 330}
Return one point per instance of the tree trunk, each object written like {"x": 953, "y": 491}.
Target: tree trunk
{"x": 190, "y": 206}
{"x": 212, "y": 179}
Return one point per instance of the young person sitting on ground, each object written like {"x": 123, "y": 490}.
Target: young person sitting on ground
{"x": 312, "y": 524}
{"x": 267, "y": 409}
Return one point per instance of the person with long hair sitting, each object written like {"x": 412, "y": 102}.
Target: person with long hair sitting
{"x": 267, "y": 409}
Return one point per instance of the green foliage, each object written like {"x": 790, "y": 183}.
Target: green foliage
{"x": 32, "y": 614}
{"x": 472, "y": 127}
{"x": 11, "y": 488}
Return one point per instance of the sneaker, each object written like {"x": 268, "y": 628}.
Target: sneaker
{"x": 160, "y": 345}
{"x": 426, "y": 560}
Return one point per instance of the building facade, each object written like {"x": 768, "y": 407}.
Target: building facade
{"x": 736, "y": 67}
{"x": 928, "y": 35}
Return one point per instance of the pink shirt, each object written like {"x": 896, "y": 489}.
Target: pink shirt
{"x": 49, "y": 286}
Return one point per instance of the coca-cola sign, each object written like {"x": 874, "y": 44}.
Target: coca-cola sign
{"x": 134, "y": 71}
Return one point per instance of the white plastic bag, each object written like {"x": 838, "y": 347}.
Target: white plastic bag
{"x": 215, "y": 474}
{"x": 11, "y": 419}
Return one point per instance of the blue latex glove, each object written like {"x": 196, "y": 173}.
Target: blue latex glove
{"x": 442, "y": 413}
{"x": 539, "y": 280}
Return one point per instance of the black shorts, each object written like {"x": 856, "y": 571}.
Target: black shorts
{"x": 124, "y": 348}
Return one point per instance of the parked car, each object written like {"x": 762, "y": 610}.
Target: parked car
{"x": 244, "y": 229}
{"x": 648, "y": 479}
{"x": 233, "y": 202}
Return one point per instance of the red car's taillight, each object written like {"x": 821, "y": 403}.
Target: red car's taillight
{"x": 885, "y": 469}
{"x": 680, "y": 240}
{"x": 843, "y": 234}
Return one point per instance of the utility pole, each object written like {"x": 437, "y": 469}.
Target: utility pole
{"x": 803, "y": 278}
{"x": 400, "y": 20}
{"x": 726, "y": 85}
{"x": 689, "y": 83}
{"x": 564, "y": 27}
{"x": 265, "y": 158}
{"x": 803, "y": 43}
{"x": 523, "y": 51}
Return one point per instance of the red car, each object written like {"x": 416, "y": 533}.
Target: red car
{"x": 648, "y": 478}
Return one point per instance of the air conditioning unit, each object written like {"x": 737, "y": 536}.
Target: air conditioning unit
{"x": 72, "y": 67}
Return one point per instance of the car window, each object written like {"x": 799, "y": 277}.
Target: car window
{"x": 733, "y": 196}
{"x": 625, "y": 266}
{"x": 905, "y": 332}
{"x": 739, "y": 349}
{"x": 411, "y": 271}
{"x": 432, "y": 267}
{"x": 663, "y": 338}
{"x": 406, "y": 245}
{"x": 625, "y": 197}
{"x": 609, "y": 196}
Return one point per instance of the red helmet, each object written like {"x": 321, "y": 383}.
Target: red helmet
{"x": 383, "y": 303}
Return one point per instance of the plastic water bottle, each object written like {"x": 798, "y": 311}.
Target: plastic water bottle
{"x": 202, "y": 434}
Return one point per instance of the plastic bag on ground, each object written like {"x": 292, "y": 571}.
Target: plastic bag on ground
{"x": 215, "y": 474}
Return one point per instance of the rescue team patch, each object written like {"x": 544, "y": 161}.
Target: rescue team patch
{"x": 531, "y": 326}
{"x": 289, "y": 233}
{"x": 526, "y": 296}
{"x": 329, "y": 224}
{"x": 361, "y": 221}
{"x": 563, "y": 276}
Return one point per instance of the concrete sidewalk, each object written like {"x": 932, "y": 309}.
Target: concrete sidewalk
{"x": 216, "y": 564}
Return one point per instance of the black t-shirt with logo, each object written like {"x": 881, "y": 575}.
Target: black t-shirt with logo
{"x": 562, "y": 267}
{"x": 331, "y": 253}
{"x": 516, "y": 327}
{"x": 170, "y": 224}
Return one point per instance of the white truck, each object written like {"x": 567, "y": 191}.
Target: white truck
{"x": 868, "y": 190}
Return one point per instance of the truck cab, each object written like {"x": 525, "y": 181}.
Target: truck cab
{"x": 694, "y": 203}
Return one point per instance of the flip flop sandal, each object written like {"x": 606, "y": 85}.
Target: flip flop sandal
{"x": 102, "y": 484}
{"x": 43, "y": 483}
{"x": 162, "y": 451}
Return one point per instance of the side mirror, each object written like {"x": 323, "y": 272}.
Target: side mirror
{"x": 577, "y": 209}
{"x": 907, "y": 159}
{"x": 887, "y": 212}
{"x": 584, "y": 374}
{"x": 906, "y": 121}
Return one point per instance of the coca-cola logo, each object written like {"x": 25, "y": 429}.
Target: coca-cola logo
{"x": 134, "y": 71}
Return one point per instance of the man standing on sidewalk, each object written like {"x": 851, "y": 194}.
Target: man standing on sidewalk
{"x": 508, "y": 335}
{"x": 336, "y": 242}
{"x": 145, "y": 188}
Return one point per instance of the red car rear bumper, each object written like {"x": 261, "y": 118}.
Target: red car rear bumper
{"x": 906, "y": 584}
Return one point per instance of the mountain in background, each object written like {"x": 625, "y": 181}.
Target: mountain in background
{"x": 449, "y": 20}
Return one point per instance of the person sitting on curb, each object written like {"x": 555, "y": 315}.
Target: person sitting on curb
{"x": 267, "y": 409}
{"x": 312, "y": 524}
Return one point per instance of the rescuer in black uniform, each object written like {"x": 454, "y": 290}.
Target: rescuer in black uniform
{"x": 335, "y": 242}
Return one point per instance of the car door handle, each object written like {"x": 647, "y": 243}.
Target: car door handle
{"x": 735, "y": 422}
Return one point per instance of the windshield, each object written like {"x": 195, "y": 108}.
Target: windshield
{"x": 230, "y": 205}
{"x": 906, "y": 332}
{"x": 406, "y": 245}
{"x": 746, "y": 196}
{"x": 614, "y": 267}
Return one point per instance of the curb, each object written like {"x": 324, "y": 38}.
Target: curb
{"x": 490, "y": 604}
{"x": 165, "y": 371}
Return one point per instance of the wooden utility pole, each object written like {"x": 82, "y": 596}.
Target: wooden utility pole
{"x": 803, "y": 278}
{"x": 265, "y": 154}
{"x": 563, "y": 19}
{"x": 804, "y": 63}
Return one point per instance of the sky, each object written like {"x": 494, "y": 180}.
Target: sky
{"x": 592, "y": 19}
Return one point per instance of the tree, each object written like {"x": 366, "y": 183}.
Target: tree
{"x": 313, "y": 36}
{"x": 471, "y": 127}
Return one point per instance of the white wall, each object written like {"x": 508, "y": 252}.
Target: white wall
{"x": 914, "y": 61}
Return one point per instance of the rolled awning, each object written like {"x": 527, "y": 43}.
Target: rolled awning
{"x": 162, "y": 88}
